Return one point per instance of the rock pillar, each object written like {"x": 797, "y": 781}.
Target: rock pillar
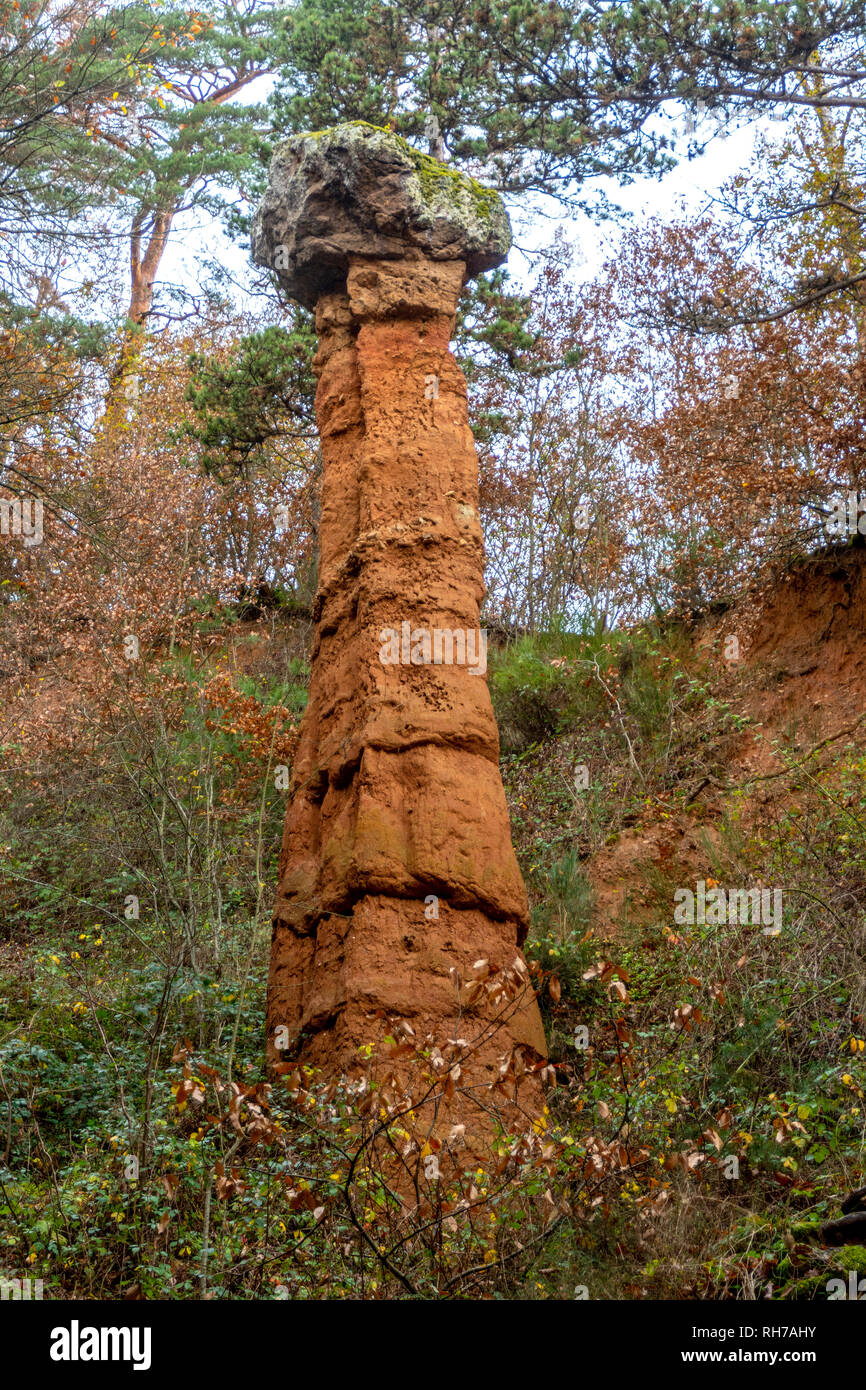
{"x": 397, "y": 872}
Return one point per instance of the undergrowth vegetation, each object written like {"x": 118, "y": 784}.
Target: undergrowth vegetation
{"x": 705, "y": 1104}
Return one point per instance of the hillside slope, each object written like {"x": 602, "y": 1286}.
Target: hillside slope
{"x": 708, "y": 1115}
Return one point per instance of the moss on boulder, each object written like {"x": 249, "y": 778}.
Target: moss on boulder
{"x": 358, "y": 189}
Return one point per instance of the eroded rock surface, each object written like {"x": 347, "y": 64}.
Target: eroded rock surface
{"x": 397, "y": 867}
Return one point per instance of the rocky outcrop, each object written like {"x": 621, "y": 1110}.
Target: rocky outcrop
{"x": 397, "y": 871}
{"x": 360, "y": 191}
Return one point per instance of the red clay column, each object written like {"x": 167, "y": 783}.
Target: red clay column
{"x": 397, "y": 872}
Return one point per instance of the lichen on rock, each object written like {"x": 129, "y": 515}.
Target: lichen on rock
{"x": 357, "y": 189}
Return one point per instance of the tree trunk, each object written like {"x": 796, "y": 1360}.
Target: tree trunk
{"x": 147, "y": 242}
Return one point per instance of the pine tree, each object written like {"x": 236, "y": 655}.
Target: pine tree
{"x": 184, "y": 141}
{"x": 547, "y": 96}
{"x": 59, "y": 63}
